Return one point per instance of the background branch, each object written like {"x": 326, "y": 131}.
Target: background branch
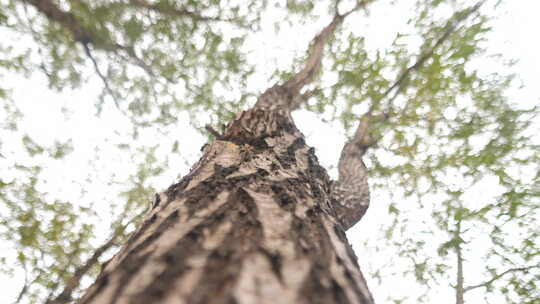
{"x": 75, "y": 281}
{"x": 312, "y": 65}
{"x": 498, "y": 276}
{"x": 399, "y": 83}
{"x": 350, "y": 193}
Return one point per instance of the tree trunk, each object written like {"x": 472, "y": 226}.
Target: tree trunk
{"x": 251, "y": 223}
{"x": 254, "y": 221}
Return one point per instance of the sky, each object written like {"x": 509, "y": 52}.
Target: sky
{"x": 514, "y": 35}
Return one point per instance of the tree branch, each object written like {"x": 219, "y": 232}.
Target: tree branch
{"x": 498, "y": 276}
{"x": 24, "y": 289}
{"x": 286, "y": 95}
{"x": 100, "y": 75}
{"x": 313, "y": 63}
{"x": 460, "y": 291}
{"x": 66, "y": 19}
{"x": 303, "y": 98}
{"x": 449, "y": 28}
{"x": 85, "y": 37}
{"x": 350, "y": 193}
{"x": 74, "y": 282}
{"x": 106, "y": 85}
{"x": 312, "y": 66}
{"x": 214, "y": 133}
{"x": 71, "y": 257}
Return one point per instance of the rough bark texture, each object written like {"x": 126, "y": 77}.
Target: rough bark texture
{"x": 350, "y": 193}
{"x": 251, "y": 223}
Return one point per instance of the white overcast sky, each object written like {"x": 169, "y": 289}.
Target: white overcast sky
{"x": 515, "y": 35}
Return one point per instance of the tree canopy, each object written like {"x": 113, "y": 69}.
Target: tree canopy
{"x": 455, "y": 169}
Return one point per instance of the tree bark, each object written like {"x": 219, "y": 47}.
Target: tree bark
{"x": 251, "y": 223}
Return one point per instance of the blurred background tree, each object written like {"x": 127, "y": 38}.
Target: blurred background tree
{"x": 454, "y": 174}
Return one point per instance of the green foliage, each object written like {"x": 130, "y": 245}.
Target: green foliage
{"x": 53, "y": 238}
{"x": 299, "y": 6}
{"x": 48, "y": 235}
{"x": 181, "y": 50}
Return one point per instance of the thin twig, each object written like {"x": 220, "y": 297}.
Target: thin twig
{"x": 498, "y": 276}
{"x": 212, "y": 131}
{"x": 72, "y": 256}
{"x": 399, "y": 84}
{"x": 74, "y": 282}
{"x": 106, "y": 85}
{"x": 24, "y": 289}
{"x": 80, "y": 34}
{"x": 100, "y": 74}
{"x": 450, "y": 27}
{"x": 131, "y": 55}
{"x": 460, "y": 292}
